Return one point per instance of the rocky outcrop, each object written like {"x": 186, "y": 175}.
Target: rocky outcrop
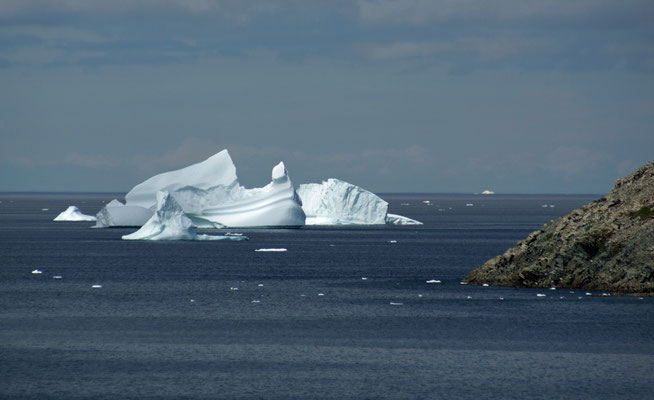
{"x": 605, "y": 245}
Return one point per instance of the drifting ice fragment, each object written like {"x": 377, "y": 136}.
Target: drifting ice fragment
{"x": 485, "y": 285}
{"x": 394, "y": 219}
{"x": 72, "y": 213}
{"x": 96, "y": 286}
{"x": 469, "y": 205}
{"x": 57, "y": 277}
{"x": 271, "y": 250}
{"x": 541, "y": 295}
{"x": 396, "y": 304}
{"x": 487, "y": 192}
{"x": 37, "y": 271}
{"x": 433, "y": 281}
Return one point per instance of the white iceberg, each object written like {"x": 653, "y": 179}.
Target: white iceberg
{"x": 72, "y": 213}
{"x": 487, "y": 192}
{"x": 232, "y": 205}
{"x": 116, "y": 213}
{"x": 210, "y": 196}
{"x": 335, "y": 202}
{"x": 170, "y": 223}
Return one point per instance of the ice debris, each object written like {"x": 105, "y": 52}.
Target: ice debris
{"x": 72, "y": 213}
{"x": 433, "y": 281}
{"x": 271, "y": 250}
{"x": 37, "y": 271}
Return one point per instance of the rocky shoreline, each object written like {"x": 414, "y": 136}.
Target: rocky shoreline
{"x": 605, "y": 245}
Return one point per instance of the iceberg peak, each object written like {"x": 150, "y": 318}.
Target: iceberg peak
{"x": 279, "y": 173}
{"x": 72, "y": 213}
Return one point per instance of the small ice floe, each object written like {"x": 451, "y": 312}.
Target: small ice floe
{"x": 363, "y": 278}
{"x": 463, "y": 283}
{"x": 332, "y": 245}
{"x": 44, "y": 209}
{"x": 501, "y": 298}
{"x": 551, "y": 205}
{"x": 233, "y": 234}
{"x": 469, "y": 205}
{"x": 260, "y": 285}
{"x": 419, "y": 295}
{"x": 487, "y": 192}
{"x": 606, "y": 294}
{"x": 541, "y": 295}
{"x": 321, "y": 294}
{"x": 469, "y": 297}
{"x": 589, "y": 294}
{"x": 37, "y": 271}
{"x": 571, "y": 292}
{"x": 271, "y": 250}
{"x": 255, "y": 301}
{"x": 552, "y": 288}
{"x": 544, "y": 206}
{"x": 396, "y": 304}
{"x": 233, "y": 288}
{"x": 392, "y": 241}
{"x": 485, "y": 284}
{"x": 96, "y": 286}
{"x": 192, "y": 301}
{"x": 433, "y": 281}
{"x": 427, "y": 202}
{"x": 57, "y": 277}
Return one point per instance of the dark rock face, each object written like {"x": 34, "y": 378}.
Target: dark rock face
{"x": 605, "y": 245}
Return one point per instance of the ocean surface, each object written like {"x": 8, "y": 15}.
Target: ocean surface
{"x": 345, "y": 313}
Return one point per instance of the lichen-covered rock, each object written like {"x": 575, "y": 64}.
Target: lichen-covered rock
{"x": 605, "y": 245}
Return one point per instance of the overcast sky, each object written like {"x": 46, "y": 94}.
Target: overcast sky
{"x": 516, "y": 96}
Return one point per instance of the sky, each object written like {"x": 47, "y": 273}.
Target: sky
{"x": 514, "y": 96}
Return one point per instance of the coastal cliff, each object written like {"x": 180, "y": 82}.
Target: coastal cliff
{"x": 605, "y": 245}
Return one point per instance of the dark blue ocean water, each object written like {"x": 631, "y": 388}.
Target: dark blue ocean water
{"x": 204, "y": 320}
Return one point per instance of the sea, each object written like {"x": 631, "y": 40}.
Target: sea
{"x": 349, "y": 312}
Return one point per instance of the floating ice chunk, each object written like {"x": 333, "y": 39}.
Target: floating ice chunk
{"x": 57, "y": 277}
{"x": 485, "y": 285}
{"x": 544, "y": 206}
{"x": 433, "y": 281}
{"x": 271, "y": 250}
{"x": 396, "y": 304}
{"x": 541, "y": 295}
{"x": 170, "y": 223}
{"x": 469, "y": 297}
{"x": 96, "y": 286}
{"x": 255, "y": 301}
{"x": 552, "y": 288}
{"x": 37, "y": 271}
{"x": 392, "y": 241}
{"x": 72, "y": 213}
{"x": 463, "y": 283}
{"x": 405, "y": 204}
{"x": 394, "y": 219}
{"x": 589, "y": 294}
{"x": 363, "y": 278}
{"x": 44, "y": 209}
{"x": 469, "y": 205}
{"x": 321, "y": 294}
{"x": 233, "y": 288}
{"x": 487, "y": 192}
{"x": 427, "y": 202}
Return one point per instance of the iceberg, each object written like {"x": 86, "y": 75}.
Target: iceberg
{"x": 276, "y": 204}
{"x": 211, "y": 197}
{"x": 72, "y": 213}
{"x": 116, "y": 213}
{"x": 170, "y": 223}
{"x": 336, "y": 202}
